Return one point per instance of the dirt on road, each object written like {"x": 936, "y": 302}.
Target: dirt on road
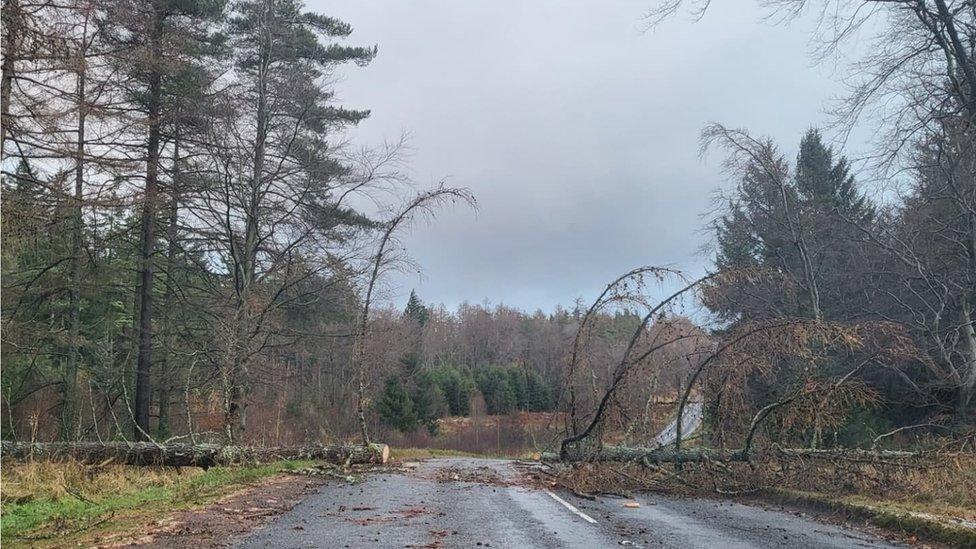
{"x": 218, "y": 523}
{"x": 468, "y": 502}
{"x": 471, "y": 502}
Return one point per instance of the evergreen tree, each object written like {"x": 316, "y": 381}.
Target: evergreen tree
{"x": 416, "y": 310}
{"x": 827, "y": 184}
{"x": 456, "y": 388}
{"x": 500, "y": 397}
{"x": 540, "y": 395}
{"x": 396, "y": 406}
{"x": 276, "y": 171}
{"x": 154, "y": 43}
{"x": 429, "y": 403}
{"x": 775, "y": 213}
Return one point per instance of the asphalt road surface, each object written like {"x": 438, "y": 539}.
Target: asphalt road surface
{"x": 467, "y": 502}
{"x": 691, "y": 420}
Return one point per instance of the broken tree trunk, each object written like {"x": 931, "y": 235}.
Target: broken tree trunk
{"x": 667, "y": 454}
{"x": 847, "y": 454}
{"x": 199, "y": 455}
{"x": 663, "y": 454}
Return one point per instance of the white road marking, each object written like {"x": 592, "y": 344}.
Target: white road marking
{"x": 569, "y": 506}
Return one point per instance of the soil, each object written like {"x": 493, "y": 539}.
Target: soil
{"x": 220, "y": 523}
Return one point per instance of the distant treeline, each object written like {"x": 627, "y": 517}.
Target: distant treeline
{"x": 449, "y": 390}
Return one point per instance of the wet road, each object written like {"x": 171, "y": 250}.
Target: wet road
{"x": 690, "y": 422}
{"x": 466, "y": 502}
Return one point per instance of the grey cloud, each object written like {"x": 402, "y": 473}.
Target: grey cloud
{"x": 577, "y": 133}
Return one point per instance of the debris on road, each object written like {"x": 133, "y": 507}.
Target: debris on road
{"x": 350, "y": 474}
{"x": 480, "y": 475}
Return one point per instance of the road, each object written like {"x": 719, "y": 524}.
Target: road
{"x": 691, "y": 419}
{"x": 467, "y": 502}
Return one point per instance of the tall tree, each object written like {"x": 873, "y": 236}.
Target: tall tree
{"x": 155, "y": 41}
{"x": 276, "y": 204}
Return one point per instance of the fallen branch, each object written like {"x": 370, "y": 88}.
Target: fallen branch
{"x": 180, "y": 454}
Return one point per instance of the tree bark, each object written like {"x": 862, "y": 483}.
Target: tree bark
{"x": 148, "y": 246}
{"x": 165, "y": 383}
{"x": 196, "y": 455}
{"x": 664, "y": 454}
{"x": 68, "y": 388}
{"x": 667, "y": 454}
{"x": 12, "y": 21}
{"x": 968, "y": 386}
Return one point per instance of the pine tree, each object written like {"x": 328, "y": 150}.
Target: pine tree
{"x": 154, "y": 42}
{"x": 775, "y": 214}
{"x": 828, "y": 184}
{"x": 396, "y": 406}
{"x": 429, "y": 403}
{"x": 276, "y": 169}
{"x": 416, "y": 310}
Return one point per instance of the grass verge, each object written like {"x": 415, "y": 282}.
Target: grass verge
{"x": 49, "y": 504}
{"x": 916, "y": 523}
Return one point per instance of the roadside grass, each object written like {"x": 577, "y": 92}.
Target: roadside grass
{"x": 913, "y": 520}
{"x": 53, "y": 503}
{"x": 936, "y": 503}
{"x": 932, "y": 500}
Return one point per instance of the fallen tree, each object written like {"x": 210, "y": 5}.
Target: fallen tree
{"x": 668, "y": 454}
{"x": 663, "y": 454}
{"x": 181, "y": 454}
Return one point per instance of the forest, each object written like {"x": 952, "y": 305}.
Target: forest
{"x": 192, "y": 250}
{"x": 200, "y": 260}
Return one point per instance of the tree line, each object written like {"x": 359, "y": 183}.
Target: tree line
{"x": 177, "y": 208}
{"x": 185, "y": 253}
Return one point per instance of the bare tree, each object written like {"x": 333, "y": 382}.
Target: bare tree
{"x": 386, "y": 256}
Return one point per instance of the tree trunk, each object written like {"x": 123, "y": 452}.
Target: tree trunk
{"x": 12, "y": 22}
{"x": 664, "y": 454}
{"x": 147, "y": 249}
{"x": 968, "y": 386}
{"x": 198, "y": 455}
{"x": 166, "y": 377}
{"x": 667, "y": 454}
{"x": 68, "y": 388}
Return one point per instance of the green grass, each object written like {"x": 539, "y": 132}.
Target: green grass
{"x": 49, "y": 517}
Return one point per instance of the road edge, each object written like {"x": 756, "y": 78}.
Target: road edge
{"x": 902, "y": 522}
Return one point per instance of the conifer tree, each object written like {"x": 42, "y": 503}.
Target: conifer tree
{"x": 155, "y": 43}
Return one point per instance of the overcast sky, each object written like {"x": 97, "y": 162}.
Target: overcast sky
{"x": 577, "y": 132}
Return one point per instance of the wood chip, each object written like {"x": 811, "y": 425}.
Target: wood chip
{"x": 631, "y": 504}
